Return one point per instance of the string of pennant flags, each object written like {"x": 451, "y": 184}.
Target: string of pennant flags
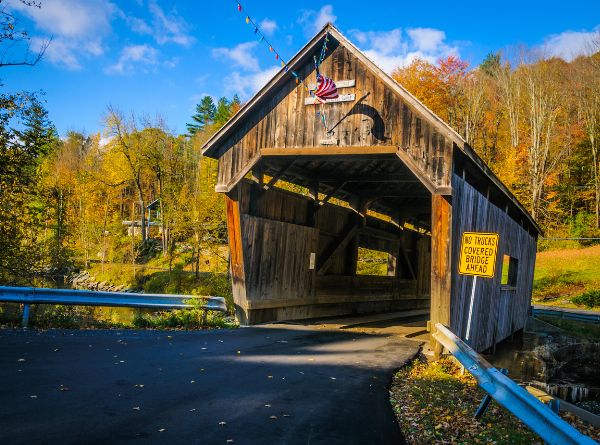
{"x": 326, "y": 88}
{"x": 283, "y": 63}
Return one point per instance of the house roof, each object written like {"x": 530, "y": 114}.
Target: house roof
{"x": 212, "y": 145}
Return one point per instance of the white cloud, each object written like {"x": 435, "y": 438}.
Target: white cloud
{"x": 385, "y": 42}
{"x": 426, "y": 39}
{"x": 70, "y": 18}
{"x": 77, "y": 28}
{"x": 313, "y": 21}
{"x": 241, "y": 55}
{"x": 268, "y": 26}
{"x": 132, "y": 56}
{"x": 139, "y": 26}
{"x": 164, "y": 28}
{"x": 246, "y": 85}
{"x": 58, "y": 52}
{"x": 393, "y": 49}
{"x": 570, "y": 44}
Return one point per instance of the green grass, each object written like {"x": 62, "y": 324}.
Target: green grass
{"x": 371, "y": 262}
{"x": 562, "y": 275}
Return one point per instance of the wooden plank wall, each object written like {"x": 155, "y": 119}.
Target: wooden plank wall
{"x": 277, "y": 242}
{"x": 378, "y": 117}
{"x": 498, "y": 310}
{"x": 276, "y": 258}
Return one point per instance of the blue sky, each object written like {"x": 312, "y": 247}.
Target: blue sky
{"x": 155, "y": 56}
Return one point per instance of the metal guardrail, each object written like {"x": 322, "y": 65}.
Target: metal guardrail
{"x": 569, "y": 314}
{"x": 34, "y": 295}
{"x": 537, "y": 416}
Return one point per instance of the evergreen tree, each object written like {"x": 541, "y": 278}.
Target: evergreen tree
{"x": 39, "y": 135}
{"x": 491, "y": 63}
{"x": 205, "y": 115}
{"x": 21, "y": 153}
{"x": 223, "y": 112}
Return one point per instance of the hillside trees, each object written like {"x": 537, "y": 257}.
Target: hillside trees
{"x": 536, "y": 122}
{"x": 586, "y": 84}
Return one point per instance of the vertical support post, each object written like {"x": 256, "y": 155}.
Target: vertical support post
{"x": 238, "y": 276}
{"x": 554, "y": 405}
{"x": 25, "y": 315}
{"x": 471, "y": 309}
{"x": 392, "y": 264}
{"x": 441, "y": 251}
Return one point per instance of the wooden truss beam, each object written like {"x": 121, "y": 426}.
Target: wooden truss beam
{"x": 339, "y": 243}
{"x": 278, "y": 175}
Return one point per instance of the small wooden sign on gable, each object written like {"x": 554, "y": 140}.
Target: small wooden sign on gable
{"x": 339, "y": 84}
{"x": 340, "y": 98}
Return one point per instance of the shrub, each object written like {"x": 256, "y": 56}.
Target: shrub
{"x": 582, "y": 226}
{"x": 67, "y": 317}
{"x": 588, "y": 299}
{"x": 192, "y": 318}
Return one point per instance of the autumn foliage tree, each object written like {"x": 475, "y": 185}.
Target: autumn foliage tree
{"x": 535, "y": 120}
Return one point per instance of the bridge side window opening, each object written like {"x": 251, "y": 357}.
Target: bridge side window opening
{"x": 510, "y": 271}
{"x": 372, "y": 262}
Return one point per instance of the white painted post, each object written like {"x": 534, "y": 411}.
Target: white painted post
{"x": 471, "y": 308}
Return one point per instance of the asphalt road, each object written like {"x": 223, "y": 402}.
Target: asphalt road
{"x": 277, "y": 384}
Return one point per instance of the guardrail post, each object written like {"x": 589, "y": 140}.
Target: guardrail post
{"x": 483, "y": 406}
{"x": 554, "y": 405}
{"x": 25, "y": 322}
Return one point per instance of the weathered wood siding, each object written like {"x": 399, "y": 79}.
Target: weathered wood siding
{"x": 498, "y": 310}
{"x": 378, "y": 116}
{"x": 276, "y": 241}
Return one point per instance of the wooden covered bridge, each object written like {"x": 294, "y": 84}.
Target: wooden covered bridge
{"x": 308, "y": 184}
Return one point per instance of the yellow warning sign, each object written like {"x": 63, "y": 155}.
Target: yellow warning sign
{"x": 478, "y": 254}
